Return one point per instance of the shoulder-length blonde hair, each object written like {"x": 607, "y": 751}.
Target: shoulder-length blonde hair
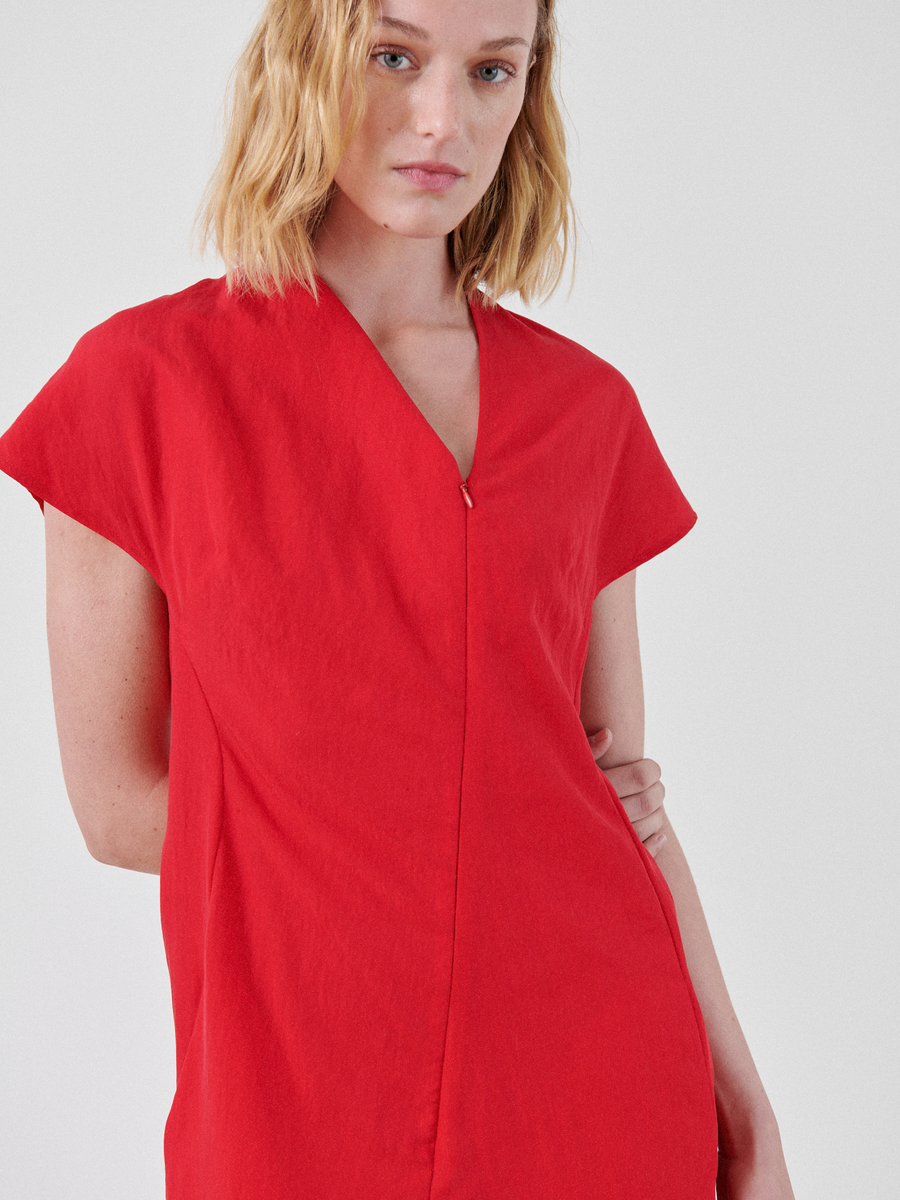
{"x": 284, "y": 141}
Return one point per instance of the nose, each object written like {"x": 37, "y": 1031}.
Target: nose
{"x": 438, "y": 104}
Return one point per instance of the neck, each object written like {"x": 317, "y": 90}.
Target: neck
{"x": 386, "y": 280}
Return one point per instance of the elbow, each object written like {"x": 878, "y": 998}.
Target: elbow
{"x": 114, "y": 848}
{"x": 127, "y": 835}
{"x": 103, "y": 852}
{"x": 104, "y": 847}
{"x": 96, "y": 844}
{"x": 130, "y": 854}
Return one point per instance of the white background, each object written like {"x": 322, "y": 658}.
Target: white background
{"x": 737, "y": 180}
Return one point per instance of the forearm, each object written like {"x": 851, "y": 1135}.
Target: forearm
{"x": 746, "y": 1122}
{"x": 751, "y": 1163}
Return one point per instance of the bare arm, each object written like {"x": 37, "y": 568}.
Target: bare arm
{"x": 107, "y": 629}
{"x": 751, "y": 1161}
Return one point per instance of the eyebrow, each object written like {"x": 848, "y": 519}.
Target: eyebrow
{"x": 416, "y": 31}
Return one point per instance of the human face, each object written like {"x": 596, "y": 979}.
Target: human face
{"x": 445, "y": 83}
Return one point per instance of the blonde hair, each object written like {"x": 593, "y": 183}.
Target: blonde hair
{"x": 285, "y": 138}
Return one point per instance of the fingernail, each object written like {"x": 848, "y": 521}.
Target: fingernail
{"x": 661, "y": 840}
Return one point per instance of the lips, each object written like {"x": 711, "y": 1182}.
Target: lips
{"x": 430, "y": 176}
{"x": 436, "y": 168}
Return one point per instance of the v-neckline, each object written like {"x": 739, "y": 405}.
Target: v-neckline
{"x": 475, "y": 310}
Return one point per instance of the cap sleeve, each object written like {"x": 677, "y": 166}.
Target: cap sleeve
{"x": 87, "y": 444}
{"x": 643, "y": 510}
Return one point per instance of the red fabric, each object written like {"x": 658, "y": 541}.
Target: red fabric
{"x": 416, "y": 948}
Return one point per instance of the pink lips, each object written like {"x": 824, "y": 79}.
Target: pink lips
{"x": 430, "y": 176}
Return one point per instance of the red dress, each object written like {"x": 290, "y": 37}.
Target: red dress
{"x": 417, "y": 951}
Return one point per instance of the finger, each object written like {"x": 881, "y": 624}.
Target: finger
{"x": 600, "y": 742}
{"x": 654, "y": 844}
{"x": 632, "y": 778}
{"x": 642, "y": 804}
{"x": 645, "y": 827}
{"x": 652, "y": 837}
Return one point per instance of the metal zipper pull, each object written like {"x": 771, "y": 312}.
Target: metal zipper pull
{"x": 464, "y": 488}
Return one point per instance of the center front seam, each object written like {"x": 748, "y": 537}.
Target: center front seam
{"x": 437, "y": 1120}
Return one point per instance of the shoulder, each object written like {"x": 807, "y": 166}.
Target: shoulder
{"x": 205, "y": 330}
{"x": 554, "y": 358}
{"x": 166, "y": 321}
{"x": 201, "y": 340}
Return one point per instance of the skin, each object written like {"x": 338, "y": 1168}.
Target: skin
{"x": 434, "y": 94}
{"x": 107, "y": 630}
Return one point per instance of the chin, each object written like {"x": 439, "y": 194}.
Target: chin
{"x": 420, "y": 227}
{"x": 441, "y": 231}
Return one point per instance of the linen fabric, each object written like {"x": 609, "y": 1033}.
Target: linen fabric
{"x": 416, "y": 948}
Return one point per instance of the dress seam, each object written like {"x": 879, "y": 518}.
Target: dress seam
{"x": 221, "y": 806}
{"x": 201, "y": 999}
{"x": 437, "y": 1120}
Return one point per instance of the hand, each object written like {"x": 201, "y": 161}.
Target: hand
{"x": 640, "y": 789}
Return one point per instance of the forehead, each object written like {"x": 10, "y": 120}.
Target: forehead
{"x": 471, "y": 21}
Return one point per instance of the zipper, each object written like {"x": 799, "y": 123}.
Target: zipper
{"x": 464, "y": 488}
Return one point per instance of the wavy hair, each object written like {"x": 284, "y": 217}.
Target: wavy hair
{"x": 285, "y": 138}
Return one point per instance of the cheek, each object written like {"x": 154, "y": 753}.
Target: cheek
{"x": 369, "y": 136}
{"x": 494, "y": 134}
{"x": 384, "y": 115}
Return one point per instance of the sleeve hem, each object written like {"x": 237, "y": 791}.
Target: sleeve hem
{"x": 44, "y": 494}
{"x": 645, "y": 553}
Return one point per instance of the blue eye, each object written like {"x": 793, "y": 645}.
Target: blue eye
{"x": 391, "y": 59}
{"x": 492, "y": 74}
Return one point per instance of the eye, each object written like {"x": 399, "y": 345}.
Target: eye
{"x": 392, "y": 59}
{"x": 496, "y": 73}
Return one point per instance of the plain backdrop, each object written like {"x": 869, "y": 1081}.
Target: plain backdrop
{"x": 736, "y": 175}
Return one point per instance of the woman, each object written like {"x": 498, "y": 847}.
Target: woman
{"x": 340, "y": 575}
